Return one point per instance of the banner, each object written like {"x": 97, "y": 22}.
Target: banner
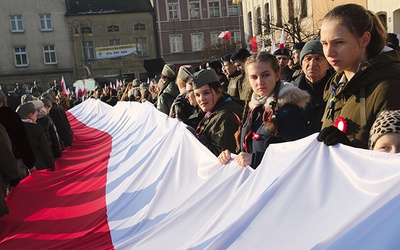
{"x": 115, "y": 51}
{"x": 135, "y": 179}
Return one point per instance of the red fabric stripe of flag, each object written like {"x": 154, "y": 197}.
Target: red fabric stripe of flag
{"x": 225, "y": 35}
{"x": 67, "y": 207}
{"x": 254, "y": 47}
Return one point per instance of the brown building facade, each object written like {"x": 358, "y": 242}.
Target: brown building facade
{"x": 186, "y": 27}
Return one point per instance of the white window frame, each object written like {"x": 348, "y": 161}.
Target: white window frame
{"x": 21, "y": 55}
{"x": 114, "y": 42}
{"x": 212, "y": 8}
{"x": 173, "y": 11}
{"x": 49, "y": 54}
{"x": 139, "y": 26}
{"x": 197, "y": 41}
{"x": 16, "y": 23}
{"x": 236, "y": 36}
{"x": 113, "y": 28}
{"x": 141, "y": 46}
{"x": 214, "y": 37}
{"x": 175, "y": 43}
{"x": 89, "y": 49}
{"x": 233, "y": 9}
{"x": 194, "y": 10}
{"x": 45, "y": 22}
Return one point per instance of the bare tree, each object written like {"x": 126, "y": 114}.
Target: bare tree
{"x": 216, "y": 51}
{"x": 295, "y": 30}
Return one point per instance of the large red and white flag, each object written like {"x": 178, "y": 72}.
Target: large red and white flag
{"x": 225, "y": 35}
{"x": 135, "y": 179}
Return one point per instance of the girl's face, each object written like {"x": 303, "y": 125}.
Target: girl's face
{"x": 262, "y": 78}
{"x": 342, "y": 49}
{"x": 190, "y": 95}
{"x": 206, "y": 98}
{"x": 389, "y": 143}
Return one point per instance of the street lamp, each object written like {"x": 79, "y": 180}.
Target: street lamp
{"x": 82, "y": 27}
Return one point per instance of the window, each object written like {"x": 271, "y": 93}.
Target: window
{"x": 250, "y": 24}
{"x": 279, "y": 13}
{"x": 16, "y": 24}
{"x": 88, "y": 50}
{"x": 233, "y": 9}
{"x": 197, "y": 41}
{"x": 175, "y": 42}
{"x": 259, "y": 21}
{"x": 141, "y": 46}
{"x": 214, "y": 38}
{"x": 86, "y": 30}
{"x": 194, "y": 8}
{"x": 114, "y": 42}
{"x": 50, "y": 55}
{"x": 291, "y": 10}
{"x": 139, "y": 26}
{"x": 303, "y": 9}
{"x": 173, "y": 11}
{"x": 235, "y": 36}
{"x": 45, "y": 22}
{"x": 113, "y": 28}
{"x": 21, "y": 57}
{"x": 214, "y": 8}
{"x": 267, "y": 19}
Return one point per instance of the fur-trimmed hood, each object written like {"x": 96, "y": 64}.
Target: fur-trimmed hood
{"x": 289, "y": 94}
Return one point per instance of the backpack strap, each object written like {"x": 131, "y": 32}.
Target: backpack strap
{"x": 363, "y": 119}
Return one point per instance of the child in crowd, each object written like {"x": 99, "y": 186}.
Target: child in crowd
{"x": 385, "y": 132}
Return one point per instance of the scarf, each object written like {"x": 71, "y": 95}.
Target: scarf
{"x": 257, "y": 100}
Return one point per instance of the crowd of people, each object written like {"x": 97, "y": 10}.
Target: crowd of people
{"x": 344, "y": 85}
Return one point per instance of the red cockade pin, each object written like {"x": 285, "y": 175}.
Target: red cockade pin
{"x": 341, "y": 124}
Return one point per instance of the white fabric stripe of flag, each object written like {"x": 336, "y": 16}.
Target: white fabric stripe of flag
{"x": 318, "y": 195}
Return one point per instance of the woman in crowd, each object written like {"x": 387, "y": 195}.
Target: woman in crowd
{"x": 274, "y": 111}
{"x": 367, "y": 79}
{"x": 36, "y": 136}
{"x": 222, "y": 115}
{"x": 385, "y": 132}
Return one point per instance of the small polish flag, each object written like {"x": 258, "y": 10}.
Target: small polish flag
{"x": 225, "y": 35}
{"x": 282, "y": 41}
{"x": 64, "y": 88}
{"x": 273, "y": 46}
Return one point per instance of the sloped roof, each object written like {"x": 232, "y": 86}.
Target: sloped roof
{"x": 87, "y": 7}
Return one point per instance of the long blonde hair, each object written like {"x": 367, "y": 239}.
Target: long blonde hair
{"x": 270, "y": 122}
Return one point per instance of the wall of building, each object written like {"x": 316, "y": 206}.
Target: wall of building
{"x": 392, "y": 10}
{"x": 34, "y": 39}
{"x": 320, "y": 8}
{"x": 186, "y": 26}
{"x": 131, "y": 64}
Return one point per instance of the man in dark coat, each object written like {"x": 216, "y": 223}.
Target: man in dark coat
{"x": 19, "y": 140}
{"x": 8, "y": 169}
{"x": 282, "y": 55}
{"x": 60, "y": 121}
{"x": 316, "y": 72}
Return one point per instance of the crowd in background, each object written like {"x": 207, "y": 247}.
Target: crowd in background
{"x": 345, "y": 85}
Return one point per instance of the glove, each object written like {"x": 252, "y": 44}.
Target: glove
{"x": 331, "y": 136}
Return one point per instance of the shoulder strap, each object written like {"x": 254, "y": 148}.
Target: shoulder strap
{"x": 363, "y": 118}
